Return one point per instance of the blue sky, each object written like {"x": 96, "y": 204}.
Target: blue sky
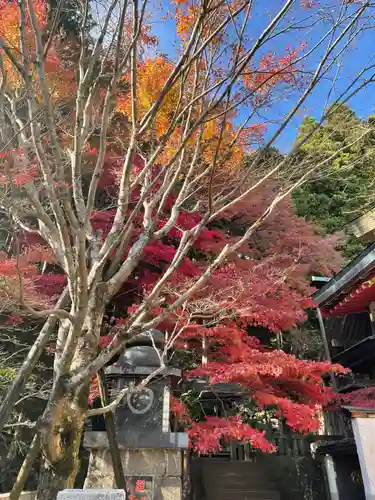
{"x": 354, "y": 60}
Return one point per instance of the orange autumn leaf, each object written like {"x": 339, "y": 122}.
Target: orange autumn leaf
{"x": 151, "y": 77}
{"x": 10, "y": 33}
{"x": 59, "y": 80}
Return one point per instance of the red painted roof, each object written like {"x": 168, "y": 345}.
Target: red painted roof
{"x": 355, "y": 301}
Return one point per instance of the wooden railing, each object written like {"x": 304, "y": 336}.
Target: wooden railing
{"x": 285, "y": 446}
{"x": 338, "y": 423}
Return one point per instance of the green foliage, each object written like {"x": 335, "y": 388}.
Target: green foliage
{"x": 6, "y": 377}
{"x": 305, "y": 341}
{"x": 70, "y": 16}
{"x": 261, "y": 419}
{"x": 344, "y": 190}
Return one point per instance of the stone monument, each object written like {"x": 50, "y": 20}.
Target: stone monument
{"x": 91, "y": 495}
{"x": 151, "y": 454}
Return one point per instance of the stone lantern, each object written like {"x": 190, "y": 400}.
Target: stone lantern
{"x": 151, "y": 454}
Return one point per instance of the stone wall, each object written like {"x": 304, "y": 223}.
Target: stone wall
{"x": 163, "y": 465}
{"x": 364, "y": 428}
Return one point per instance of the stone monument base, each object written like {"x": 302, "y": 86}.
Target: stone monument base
{"x": 25, "y": 495}
{"x": 90, "y": 494}
{"x": 161, "y": 466}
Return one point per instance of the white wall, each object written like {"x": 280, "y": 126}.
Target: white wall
{"x": 364, "y": 433}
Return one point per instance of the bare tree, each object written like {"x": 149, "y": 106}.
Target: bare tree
{"x": 52, "y": 111}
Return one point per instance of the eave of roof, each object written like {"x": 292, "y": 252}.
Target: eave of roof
{"x": 343, "y": 446}
{"x": 356, "y": 300}
{"x": 342, "y": 283}
{"x": 360, "y": 409}
{"x": 357, "y": 354}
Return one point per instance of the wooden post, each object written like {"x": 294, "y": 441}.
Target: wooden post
{"x": 327, "y": 352}
{"x": 111, "y": 433}
{"x": 186, "y": 479}
{"x": 371, "y": 309}
{"x": 331, "y": 375}
{"x": 204, "y": 350}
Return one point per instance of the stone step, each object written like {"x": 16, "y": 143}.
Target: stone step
{"x": 242, "y": 480}
{"x": 244, "y": 496}
{"x": 238, "y": 483}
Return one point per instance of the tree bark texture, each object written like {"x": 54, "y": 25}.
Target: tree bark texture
{"x": 61, "y": 438}
{"x": 65, "y": 415}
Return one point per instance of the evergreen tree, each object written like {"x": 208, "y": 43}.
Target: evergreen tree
{"x": 69, "y": 15}
{"x": 345, "y": 190}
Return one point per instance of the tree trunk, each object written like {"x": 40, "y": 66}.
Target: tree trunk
{"x": 26, "y": 467}
{"x": 55, "y": 477}
{"x": 61, "y": 438}
{"x": 64, "y": 417}
{"x": 61, "y": 432}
